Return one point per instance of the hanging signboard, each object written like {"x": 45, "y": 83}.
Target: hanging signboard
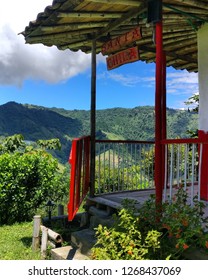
{"x": 122, "y": 57}
{"x": 121, "y": 41}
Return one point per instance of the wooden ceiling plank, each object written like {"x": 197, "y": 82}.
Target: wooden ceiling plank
{"x": 74, "y": 26}
{"x": 89, "y": 15}
{"x": 193, "y": 3}
{"x": 117, "y": 2}
{"x": 121, "y": 20}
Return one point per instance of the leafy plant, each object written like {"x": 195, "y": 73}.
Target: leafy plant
{"x": 153, "y": 232}
{"x": 124, "y": 240}
{"x": 183, "y": 226}
{"x": 28, "y": 178}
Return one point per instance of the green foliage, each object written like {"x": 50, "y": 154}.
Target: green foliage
{"x": 12, "y": 143}
{"x": 52, "y": 144}
{"x": 153, "y": 231}
{"x": 28, "y": 178}
{"x": 183, "y": 226}
{"x": 194, "y": 101}
{"x": 124, "y": 240}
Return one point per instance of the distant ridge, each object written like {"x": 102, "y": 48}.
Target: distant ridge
{"x": 35, "y": 122}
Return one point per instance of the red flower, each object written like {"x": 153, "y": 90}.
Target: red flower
{"x": 166, "y": 226}
{"x": 206, "y": 244}
{"x": 185, "y": 246}
{"x": 185, "y": 223}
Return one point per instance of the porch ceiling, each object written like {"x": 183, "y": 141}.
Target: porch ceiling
{"x": 72, "y": 24}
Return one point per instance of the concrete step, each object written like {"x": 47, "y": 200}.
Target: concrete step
{"x": 98, "y": 212}
{"x": 84, "y": 240}
{"x": 95, "y": 221}
{"x": 67, "y": 253}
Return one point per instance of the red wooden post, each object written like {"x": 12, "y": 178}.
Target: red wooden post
{"x": 163, "y": 106}
{"x": 158, "y": 114}
{"x": 78, "y": 172}
{"x": 73, "y": 162}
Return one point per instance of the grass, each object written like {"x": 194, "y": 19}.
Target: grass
{"x": 16, "y": 242}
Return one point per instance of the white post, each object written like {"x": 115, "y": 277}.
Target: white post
{"x": 36, "y": 232}
{"x": 44, "y": 241}
{"x": 202, "y": 39}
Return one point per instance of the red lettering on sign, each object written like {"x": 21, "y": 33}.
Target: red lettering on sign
{"x": 123, "y": 57}
{"x": 121, "y": 41}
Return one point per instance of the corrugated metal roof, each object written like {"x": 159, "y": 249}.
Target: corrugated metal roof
{"x": 72, "y": 24}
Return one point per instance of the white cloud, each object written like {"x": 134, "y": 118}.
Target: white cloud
{"x": 182, "y": 82}
{"x": 126, "y": 79}
{"x": 19, "y": 61}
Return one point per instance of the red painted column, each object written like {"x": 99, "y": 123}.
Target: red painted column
{"x": 164, "y": 118}
{"x": 158, "y": 114}
{"x": 202, "y": 38}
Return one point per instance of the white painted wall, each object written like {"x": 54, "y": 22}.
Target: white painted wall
{"x": 203, "y": 77}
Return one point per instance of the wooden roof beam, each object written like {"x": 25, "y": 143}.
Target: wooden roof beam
{"x": 118, "y": 2}
{"x": 186, "y": 9}
{"x": 89, "y": 15}
{"x": 73, "y": 26}
{"x": 196, "y": 3}
{"x": 169, "y": 54}
{"x": 125, "y": 17}
{"x": 54, "y": 37}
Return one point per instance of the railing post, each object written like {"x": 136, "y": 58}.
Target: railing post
{"x": 73, "y": 162}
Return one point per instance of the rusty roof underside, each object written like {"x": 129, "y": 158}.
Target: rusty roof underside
{"x": 73, "y": 24}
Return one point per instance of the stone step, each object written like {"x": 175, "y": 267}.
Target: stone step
{"x": 96, "y": 220}
{"x": 84, "y": 240}
{"x": 67, "y": 253}
{"x": 98, "y": 212}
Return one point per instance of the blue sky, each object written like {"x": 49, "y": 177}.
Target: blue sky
{"x": 44, "y": 76}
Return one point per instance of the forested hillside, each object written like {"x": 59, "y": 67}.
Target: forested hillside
{"x": 136, "y": 123}
{"x": 35, "y": 122}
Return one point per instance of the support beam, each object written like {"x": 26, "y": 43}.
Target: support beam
{"x": 158, "y": 114}
{"x": 163, "y": 117}
{"x": 93, "y": 120}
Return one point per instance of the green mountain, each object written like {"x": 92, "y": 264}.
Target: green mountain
{"x": 35, "y": 122}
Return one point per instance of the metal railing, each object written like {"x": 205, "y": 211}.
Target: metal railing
{"x": 80, "y": 174}
{"x": 182, "y": 168}
{"x": 129, "y": 165}
{"x": 124, "y": 165}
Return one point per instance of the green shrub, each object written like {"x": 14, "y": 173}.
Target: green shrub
{"x": 27, "y": 180}
{"x": 152, "y": 232}
{"x": 124, "y": 240}
{"x": 183, "y": 227}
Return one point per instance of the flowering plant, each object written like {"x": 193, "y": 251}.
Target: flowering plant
{"x": 183, "y": 226}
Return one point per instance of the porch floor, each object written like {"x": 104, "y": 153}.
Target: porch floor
{"x": 114, "y": 200}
